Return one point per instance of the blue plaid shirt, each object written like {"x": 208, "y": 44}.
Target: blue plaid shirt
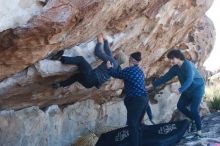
{"x": 133, "y": 80}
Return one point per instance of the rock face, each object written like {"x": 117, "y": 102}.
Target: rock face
{"x": 59, "y": 127}
{"x": 27, "y": 70}
{"x": 152, "y": 27}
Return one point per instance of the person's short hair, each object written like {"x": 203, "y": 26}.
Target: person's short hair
{"x": 175, "y": 53}
{"x": 136, "y": 56}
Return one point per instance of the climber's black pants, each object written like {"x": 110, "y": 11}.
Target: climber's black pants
{"x": 86, "y": 77}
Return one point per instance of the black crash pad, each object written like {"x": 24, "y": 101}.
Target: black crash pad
{"x": 164, "y": 134}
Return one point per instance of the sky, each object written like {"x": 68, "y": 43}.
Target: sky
{"x": 213, "y": 62}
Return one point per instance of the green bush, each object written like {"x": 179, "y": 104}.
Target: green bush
{"x": 215, "y": 103}
{"x": 213, "y": 97}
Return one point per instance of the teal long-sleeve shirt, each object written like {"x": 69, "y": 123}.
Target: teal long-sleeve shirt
{"x": 188, "y": 75}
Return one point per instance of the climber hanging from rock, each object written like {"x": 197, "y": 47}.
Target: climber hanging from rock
{"x": 87, "y": 76}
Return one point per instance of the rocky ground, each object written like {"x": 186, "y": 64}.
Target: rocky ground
{"x": 211, "y": 132}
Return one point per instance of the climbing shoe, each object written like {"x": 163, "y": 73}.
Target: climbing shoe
{"x": 58, "y": 55}
{"x": 199, "y": 134}
{"x": 192, "y": 127}
{"x": 55, "y": 85}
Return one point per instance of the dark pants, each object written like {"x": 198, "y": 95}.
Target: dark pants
{"x": 86, "y": 77}
{"x": 193, "y": 99}
{"x": 135, "y": 110}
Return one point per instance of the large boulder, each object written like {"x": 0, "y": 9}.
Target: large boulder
{"x": 152, "y": 27}
{"x": 58, "y": 126}
{"x": 54, "y": 126}
{"x": 28, "y": 44}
